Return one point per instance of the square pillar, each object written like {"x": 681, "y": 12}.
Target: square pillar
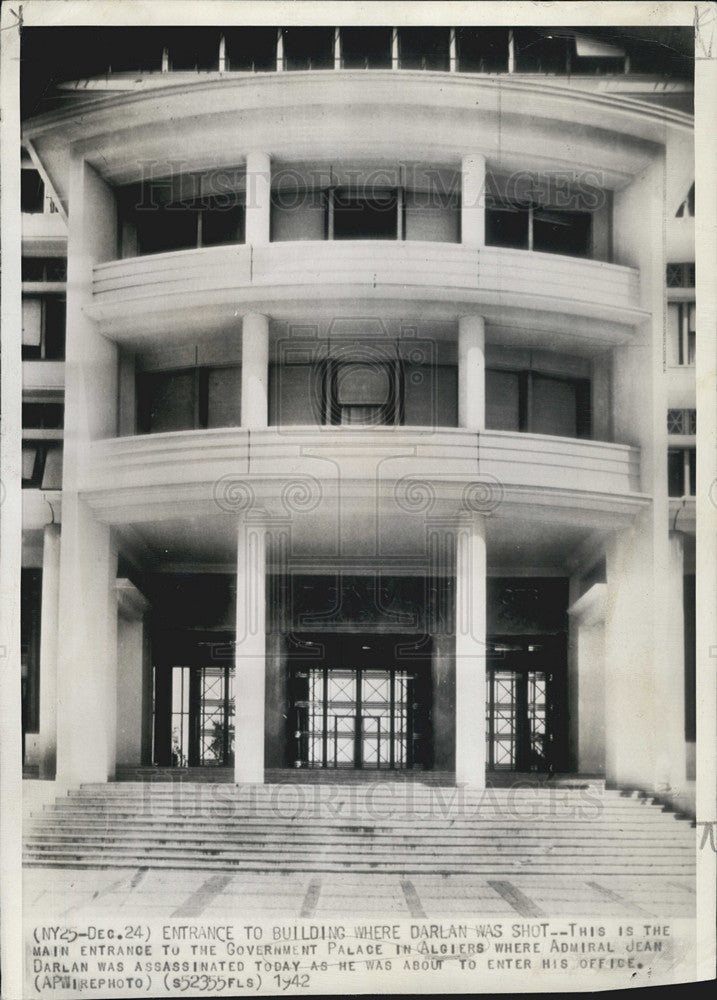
{"x": 258, "y": 199}
{"x": 131, "y": 681}
{"x": 255, "y": 372}
{"x": 587, "y": 620}
{"x": 87, "y": 649}
{"x": 250, "y": 679}
{"x": 470, "y": 651}
{"x": 473, "y": 201}
{"x": 471, "y": 373}
{"x": 49, "y": 623}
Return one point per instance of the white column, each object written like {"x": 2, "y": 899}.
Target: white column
{"x": 258, "y": 198}
{"x": 131, "y": 607}
{"x": 587, "y": 679}
{"x": 672, "y": 749}
{"x": 87, "y": 649}
{"x": 452, "y": 51}
{"x": 470, "y": 651}
{"x": 49, "y": 612}
{"x": 87, "y": 637}
{"x": 255, "y": 371}
{"x": 249, "y": 679}
{"x": 471, "y": 373}
{"x": 473, "y": 201}
{"x": 394, "y": 49}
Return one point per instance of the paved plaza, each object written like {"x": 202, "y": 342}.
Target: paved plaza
{"x": 142, "y": 892}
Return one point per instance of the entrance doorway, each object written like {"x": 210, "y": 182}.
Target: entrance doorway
{"x": 364, "y": 703}
{"x": 194, "y": 701}
{"x": 526, "y": 727}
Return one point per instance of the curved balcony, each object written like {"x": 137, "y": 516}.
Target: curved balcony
{"x": 133, "y": 296}
{"x": 192, "y": 473}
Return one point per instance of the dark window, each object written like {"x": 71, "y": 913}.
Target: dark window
{"x": 507, "y": 226}
{"x": 538, "y": 404}
{"x": 689, "y": 608}
{"x": 356, "y": 218}
{"x": 222, "y": 223}
{"x": 32, "y": 191}
{"x": 193, "y": 48}
{"x": 124, "y": 50}
{"x": 561, "y": 232}
{"x": 423, "y": 48}
{"x": 366, "y": 48}
{"x": 44, "y": 269}
{"x": 43, "y": 327}
{"x": 680, "y": 275}
{"x": 308, "y": 48}
{"x": 536, "y": 52}
{"x": 534, "y": 227}
{"x": 30, "y": 600}
{"x": 48, "y": 416}
{"x": 166, "y": 228}
{"x": 251, "y": 49}
{"x": 681, "y": 472}
{"x": 41, "y": 464}
{"x": 189, "y": 399}
{"x": 482, "y": 50}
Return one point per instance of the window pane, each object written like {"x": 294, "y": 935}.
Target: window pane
{"x": 32, "y": 191}
{"x": 482, "y": 50}
{"x": 161, "y": 230}
{"x": 675, "y": 472}
{"x": 167, "y": 401}
{"x": 364, "y": 218}
{"x": 31, "y": 322}
{"x": 55, "y": 321}
{"x": 674, "y": 341}
{"x": 52, "y": 474}
{"x": 366, "y": 48}
{"x": 251, "y": 48}
{"x": 29, "y": 456}
{"x": 193, "y": 48}
{"x": 363, "y": 384}
{"x": 554, "y": 407}
{"x": 692, "y": 472}
{"x": 423, "y": 48}
{"x": 308, "y": 48}
{"x": 224, "y": 397}
{"x": 294, "y": 394}
{"x": 222, "y": 226}
{"x": 502, "y": 391}
{"x": 561, "y": 232}
{"x": 507, "y": 227}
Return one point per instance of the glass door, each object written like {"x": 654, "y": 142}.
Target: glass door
{"x": 525, "y": 705}
{"x": 370, "y": 716}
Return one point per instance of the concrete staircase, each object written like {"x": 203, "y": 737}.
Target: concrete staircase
{"x": 401, "y": 828}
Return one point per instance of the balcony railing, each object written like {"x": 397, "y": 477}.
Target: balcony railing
{"x": 266, "y": 276}
{"x": 199, "y": 467}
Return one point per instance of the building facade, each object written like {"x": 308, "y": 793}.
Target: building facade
{"x": 359, "y": 406}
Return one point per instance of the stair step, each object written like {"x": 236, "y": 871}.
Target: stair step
{"x": 382, "y": 828}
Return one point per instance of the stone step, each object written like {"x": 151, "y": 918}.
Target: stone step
{"x": 67, "y": 812}
{"x": 474, "y": 833}
{"x": 486, "y": 826}
{"x": 433, "y": 866}
{"x": 357, "y": 851}
{"x": 360, "y": 829}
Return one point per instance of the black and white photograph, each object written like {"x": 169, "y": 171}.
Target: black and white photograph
{"x": 359, "y": 578}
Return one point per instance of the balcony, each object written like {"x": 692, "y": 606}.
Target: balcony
{"x": 137, "y": 296}
{"x": 195, "y": 473}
